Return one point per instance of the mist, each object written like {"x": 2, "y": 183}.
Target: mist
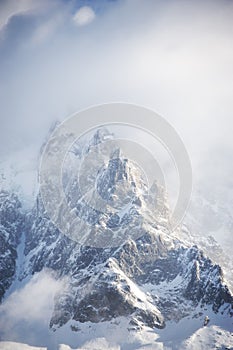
{"x": 175, "y": 57}
{"x": 26, "y": 313}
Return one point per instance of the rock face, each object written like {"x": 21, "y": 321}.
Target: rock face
{"x": 11, "y": 226}
{"x": 152, "y": 276}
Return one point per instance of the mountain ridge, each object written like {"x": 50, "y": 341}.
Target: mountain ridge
{"x": 152, "y": 277}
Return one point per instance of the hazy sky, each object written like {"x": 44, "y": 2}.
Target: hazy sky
{"x": 173, "y": 56}
{"x": 176, "y": 57}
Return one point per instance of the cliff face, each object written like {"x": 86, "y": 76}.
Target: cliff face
{"x": 144, "y": 272}
{"x": 11, "y": 227}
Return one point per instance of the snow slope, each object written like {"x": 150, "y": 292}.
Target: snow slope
{"x": 5, "y": 345}
{"x": 150, "y": 289}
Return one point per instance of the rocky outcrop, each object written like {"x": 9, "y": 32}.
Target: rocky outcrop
{"x": 11, "y": 227}
{"x": 147, "y": 274}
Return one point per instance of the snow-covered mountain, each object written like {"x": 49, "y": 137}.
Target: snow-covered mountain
{"x": 149, "y": 282}
{"x": 11, "y": 227}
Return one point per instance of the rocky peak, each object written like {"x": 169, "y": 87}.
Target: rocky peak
{"x": 147, "y": 273}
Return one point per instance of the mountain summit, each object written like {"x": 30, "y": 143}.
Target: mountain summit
{"x": 147, "y": 275}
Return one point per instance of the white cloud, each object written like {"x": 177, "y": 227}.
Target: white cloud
{"x": 10, "y": 8}
{"x": 46, "y": 30}
{"x": 174, "y": 57}
{"x": 96, "y": 344}
{"x": 84, "y": 16}
{"x": 28, "y": 310}
{"x": 18, "y": 346}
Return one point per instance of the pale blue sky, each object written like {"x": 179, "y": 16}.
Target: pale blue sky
{"x": 172, "y": 56}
